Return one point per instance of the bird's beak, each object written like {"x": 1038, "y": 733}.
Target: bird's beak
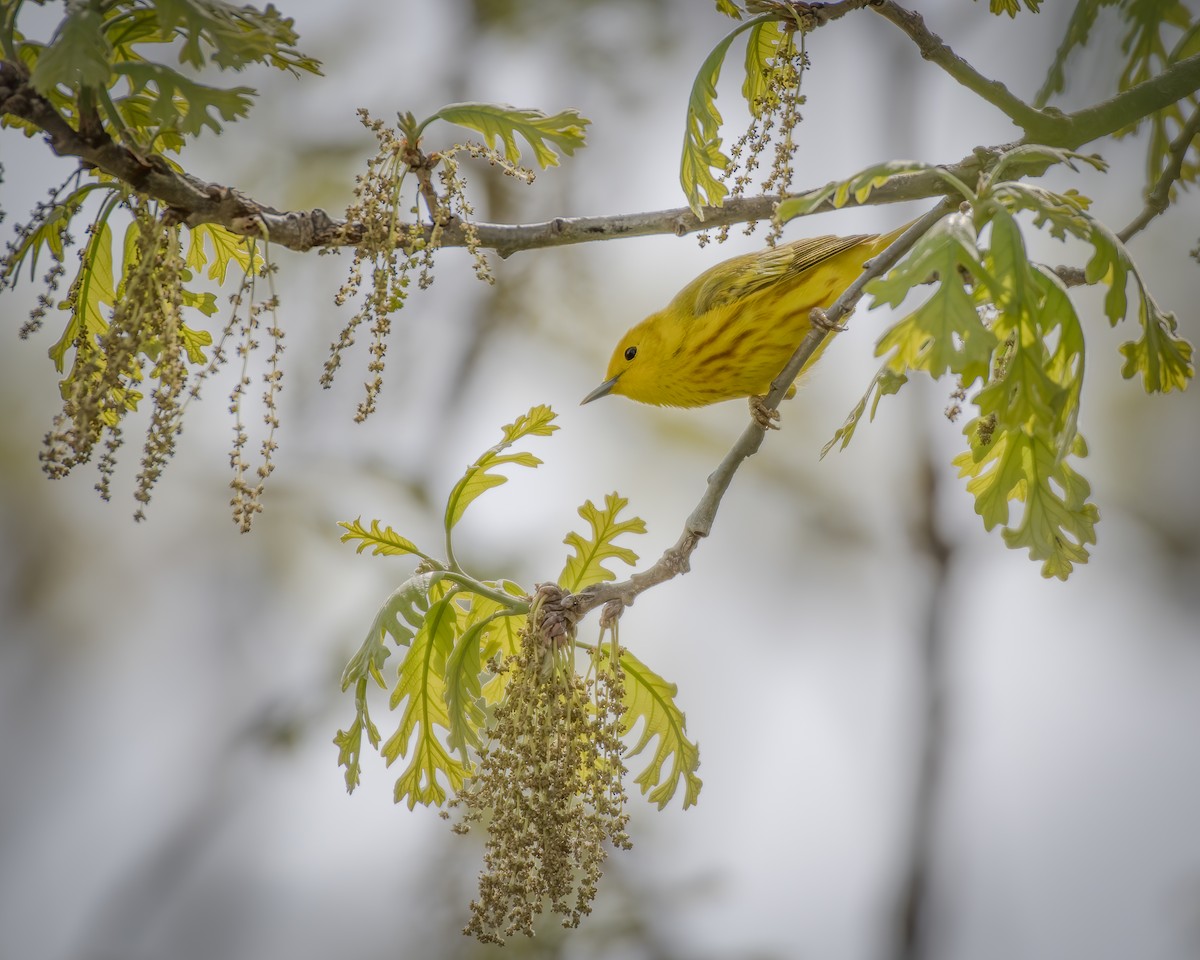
{"x": 601, "y": 391}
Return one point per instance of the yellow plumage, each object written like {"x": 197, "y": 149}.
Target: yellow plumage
{"x": 730, "y": 331}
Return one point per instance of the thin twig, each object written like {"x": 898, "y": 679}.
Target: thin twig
{"x": 1160, "y": 197}
{"x": 675, "y": 559}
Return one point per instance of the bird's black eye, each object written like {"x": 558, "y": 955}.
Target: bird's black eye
{"x": 630, "y": 353}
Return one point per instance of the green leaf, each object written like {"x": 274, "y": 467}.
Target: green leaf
{"x": 349, "y": 741}
{"x": 651, "y": 700}
{"x": 838, "y": 193}
{"x": 93, "y": 291}
{"x": 178, "y": 103}
{"x": 78, "y": 56}
{"x": 1057, "y": 523}
{"x": 228, "y": 248}
{"x": 762, "y": 46}
{"x": 400, "y": 616}
{"x": 702, "y": 130}
{"x": 232, "y": 36}
{"x": 586, "y": 565}
{"x": 478, "y": 479}
{"x": 885, "y": 382}
{"x": 421, "y": 690}
{"x": 50, "y": 234}
{"x": 729, "y": 8}
{"x": 1160, "y": 355}
{"x": 1012, "y": 7}
{"x": 382, "y": 542}
{"x": 1163, "y": 358}
{"x": 945, "y": 333}
{"x": 484, "y": 628}
{"x": 564, "y": 130}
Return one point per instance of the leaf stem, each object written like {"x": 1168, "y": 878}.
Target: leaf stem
{"x": 469, "y": 583}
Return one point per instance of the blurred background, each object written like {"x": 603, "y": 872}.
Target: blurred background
{"x": 890, "y": 704}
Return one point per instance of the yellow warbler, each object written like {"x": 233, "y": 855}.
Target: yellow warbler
{"x": 730, "y": 331}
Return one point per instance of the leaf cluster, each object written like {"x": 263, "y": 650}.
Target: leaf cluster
{"x": 1005, "y": 326}
{"x": 452, "y": 629}
{"x": 106, "y": 66}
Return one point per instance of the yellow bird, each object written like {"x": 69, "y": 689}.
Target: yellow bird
{"x": 730, "y": 331}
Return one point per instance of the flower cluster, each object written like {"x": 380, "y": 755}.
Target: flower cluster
{"x": 550, "y": 785}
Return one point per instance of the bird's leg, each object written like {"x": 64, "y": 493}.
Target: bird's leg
{"x": 762, "y": 414}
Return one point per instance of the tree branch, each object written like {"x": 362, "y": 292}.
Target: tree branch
{"x": 1180, "y": 80}
{"x": 1033, "y": 121}
{"x": 675, "y": 560}
{"x": 1160, "y": 197}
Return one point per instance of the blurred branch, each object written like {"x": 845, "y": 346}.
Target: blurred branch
{"x": 675, "y": 560}
{"x": 912, "y": 926}
{"x": 1160, "y": 197}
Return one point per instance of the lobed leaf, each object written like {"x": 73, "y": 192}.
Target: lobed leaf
{"x": 232, "y": 36}
{"x": 485, "y": 628}
{"x": 886, "y": 382}
{"x": 945, "y": 333}
{"x": 838, "y": 193}
{"x": 421, "y": 690}
{"x": 228, "y": 248}
{"x": 78, "y": 56}
{"x": 382, "y": 542}
{"x": 477, "y": 480}
{"x": 762, "y": 46}
{"x": 702, "y": 130}
{"x": 177, "y": 103}
{"x": 586, "y": 566}
{"x": 651, "y": 699}
{"x": 93, "y": 291}
{"x": 349, "y": 741}
{"x": 565, "y": 130}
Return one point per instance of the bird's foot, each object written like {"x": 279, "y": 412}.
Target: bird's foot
{"x": 763, "y": 415}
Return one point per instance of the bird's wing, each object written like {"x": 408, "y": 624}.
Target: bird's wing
{"x": 746, "y": 275}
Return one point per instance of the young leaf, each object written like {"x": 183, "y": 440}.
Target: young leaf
{"x": 586, "y": 565}
{"x": 860, "y": 186}
{"x": 729, "y": 8}
{"x": 702, "y": 130}
{"x": 78, "y": 56}
{"x": 385, "y": 542}
{"x": 650, "y": 699}
{"x": 477, "y": 479}
{"x": 564, "y": 130}
{"x": 761, "y": 47}
{"x": 402, "y": 614}
{"x": 885, "y": 383}
{"x": 482, "y": 629}
{"x": 92, "y": 291}
{"x": 944, "y": 334}
{"x": 1162, "y": 358}
{"x": 178, "y": 103}
{"x": 228, "y": 248}
{"x": 420, "y": 688}
{"x": 233, "y": 36}
{"x": 409, "y": 601}
{"x": 349, "y": 742}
